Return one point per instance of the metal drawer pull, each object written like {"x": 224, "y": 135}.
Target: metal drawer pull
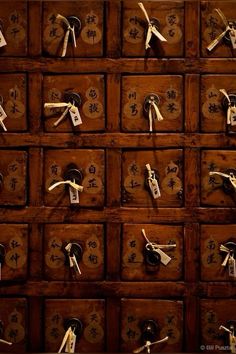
{"x": 73, "y": 27}
{"x": 152, "y": 28}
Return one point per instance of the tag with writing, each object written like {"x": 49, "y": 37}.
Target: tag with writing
{"x": 232, "y": 267}
{"x": 154, "y": 188}
{"x": 232, "y": 340}
{"x": 165, "y": 259}
{"x": 2, "y": 40}
{"x": 74, "y": 195}
{"x": 75, "y": 116}
{"x": 233, "y": 116}
{"x": 232, "y": 35}
{"x": 3, "y": 115}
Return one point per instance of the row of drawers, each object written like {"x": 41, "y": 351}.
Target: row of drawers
{"x": 136, "y": 263}
{"x": 90, "y": 39}
{"x": 135, "y": 90}
{"x": 166, "y": 164}
{"x": 167, "y": 314}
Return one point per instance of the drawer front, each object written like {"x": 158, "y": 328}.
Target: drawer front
{"x": 167, "y": 314}
{"x": 167, "y": 163}
{"x": 170, "y": 16}
{"x": 13, "y": 101}
{"x": 13, "y": 177}
{"x": 13, "y": 23}
{"x": 13, "y": 315}
{"x": 213, "y": 102}
{"x": 217, "y": 190}
{"x": 14, "y": 250}
{"x": 90, "y": 89}
{"x": 212, "y": 237}
{"x": 215, "y": 313}
{"x": 91, "y": 313}
{"x": 135, "y": 110}
{"x": 137, "y": 264}
{"x": 89, "y": 42}
{"x": 89, "y": 250}
{"x": 91, "y": 164}
{"x": 212, "y": 26}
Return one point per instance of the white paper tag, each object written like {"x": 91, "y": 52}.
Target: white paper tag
{"x": 232, "y": 340}
{"x": 3, "y": 115}
{"x": 165, "y": 259}
{"x": 232, "y": 35}
{"x": 2, "y": 40}
{"x": 154, "y": 188}
{"x": 74, "y": 195}
{"x": 75, "y": 116}
{"x": 232, "y": 267}
{"x": 233, "y": 116}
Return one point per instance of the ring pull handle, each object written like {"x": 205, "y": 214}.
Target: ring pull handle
{"x": 73, "y": 327}
{"x": 73, "y": 27}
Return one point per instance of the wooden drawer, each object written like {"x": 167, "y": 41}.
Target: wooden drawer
{"x": 13, "y": 314}
{"x": 91, "y": 164}
{"x": 14, "y": 248}
{"x": 136, "y": 264}
{"x": 92, "y": 109}
{"x": 213, "y": 191}
{"x": 215, "y": 313}
{"x": 170, "y": 16}
{"x": 90, "y": 256}
{"x": 167, "y": 163}
{"x": 213, "y": 115}
{"x": 135, "y": 89}
{"x": 90, "y": 39}
{"x": 212, "y": 25}
{"x": 167, "y": 314}
{"x": 91, "y": 313}
{"x": 13, "y": 98}
{"x": 13, "y": 174}
{"x": 13, "y": 24}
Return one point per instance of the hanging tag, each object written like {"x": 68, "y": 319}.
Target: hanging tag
{"x": 3, "y": 115}
{"x": 165, "y": 259}
{"x": 2, "y": 40}
{"x": 154, "y": 188}
{"x": 232, "y": 343}
{"x": 75, "y": 116}
{"x": 74, "y": 195}
{"x": 233, "y": 116}
{"x": 232, "y": 34}
{"x": 232, "y": 267}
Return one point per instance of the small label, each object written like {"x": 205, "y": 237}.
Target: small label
{"x": 2, "y": 40}
{"x": 165, "y": 259}
{"x": 232, "y": 35}
{"x": 154, "y": 188}
{"x": 74, "y": 195}
{"x": 70, "y": 344}
{"x": 232, "y": 267}
{"x": 233, "y": 116}
{"x": 75, "y": 116}
{"x": 3, "y": 115}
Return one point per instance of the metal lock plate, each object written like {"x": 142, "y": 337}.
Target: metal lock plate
{"x": 76, "y": 23}
{"x": 75, "y": 324}
{"x": 151, "y": 97}
{"x": 149, "y": 329}
{"x": 227, "y": 185}
{"x": 74, "y": 174}
{"x": 2, "y": 253}
{"x": 152, "y": 258}
{"x": 73, "y": 98}
{"x": 76, "y": 250}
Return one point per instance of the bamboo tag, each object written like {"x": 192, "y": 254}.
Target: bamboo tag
{"x": 2, "y": 40}
{"x": 232, "y": 267}
{"x": 153, "y": 183}
{"x": 75, "y": 116}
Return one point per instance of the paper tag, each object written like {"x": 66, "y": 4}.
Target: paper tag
{"x": 75, "y": 116}
{"x": 2, "y": 40}
{"x": 165, "y": 259}
{"x": 74, "y": 195}
{"x": 232, "y": 343}
{"x": 3, "y": 115}
{"x": 233, "y": 116}
{"x": 232, "y": 267}
{"x": 232, "y": 35}
{"x": 154, "y": 188}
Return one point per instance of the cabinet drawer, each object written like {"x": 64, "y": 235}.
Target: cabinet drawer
{"x": 91, "y": 165}
{"x": 168, "y": 166}
{"x": 135, "y": 108}
{"x": 137, "y": 264}
{"x": 90, "y": 89}
{"x": 13, "y": 314}
{"x": 89, "y": 42}
{"x": 212, "y": 26}
{"x": 167, "y": 314}
{"x": 91, "y": 313}
{"x": 217, "y": 190}
{"x": 89, "y": 250}
{"x": 13, "y": 101}
{"x": 14, "y": 249}
{"x": 170, "y": 16}
{"x": 13, "y": 24}
{"x": 215, "y": 313}
{"x": 13, "y": 177}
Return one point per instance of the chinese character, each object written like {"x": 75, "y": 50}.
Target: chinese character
{"x": 94, "y": 317}
{"x": 56, "y": 319}
{"x": 132, "y": 243}
{"x": 91, "y": 34}
{"x": 53, "y": 32}
{"x": 171, "y": 19}
{"x": 134, "y": 33}
{"x": 14, "y": 17}
{"x": 54, "y": 169}
{"x": 93, "y": 332}
{"x": 93, "y": 94}
{"x": 212, "y": 181}
{"x": 91, "y": 19}
{"x": 170, "y": 318}
{"x": 14, "y": 244}
{"x": 134, "y": 169}
{"x": 14, "y": 258}
{"x": 130, "y": 319}
{"x": 134, "y": 184}
{"x": 93, "y": 259}
{"x": 52, "y": 18}
{"x": 171, "y": 183}
{"x": 54, "y": 244}
{"x": 212, "y": 34}
{"x": 132, "y": 257}
{"x": 211, "y": 317}
{"x": 92, "y": 183}
{"x": 54, "y": 332}
{"x": 14, "y": 31}
{"x": 170, "y": 333}
{"x": 13, "y": 183}
{"x": 93, "y": 107}
{"x": 132, "y": 95}
{"x": 55, "y": 258}
{"x": 133, "y": 108}
{"x": 131, "y": 333}
{"x": 14, "y": 318}
{"x": 14, "y": 108}
{"x": 211, "y": 245}
{"x": 171, "y": 32}
{"x": 171, "y": 107}
{"x": 171, "y": 94}
{"x": 213, "y": 108}
{"x": 211, "y": 258}
{"x": 212, "y": 94}
{"x": 13, "y": 333}
{"x": 92, "y": 169}
{"x": 92, "y": 244}
{"x": 212, "y": 22}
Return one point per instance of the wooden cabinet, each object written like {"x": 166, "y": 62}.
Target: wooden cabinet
{"x": 93, "y": 124}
